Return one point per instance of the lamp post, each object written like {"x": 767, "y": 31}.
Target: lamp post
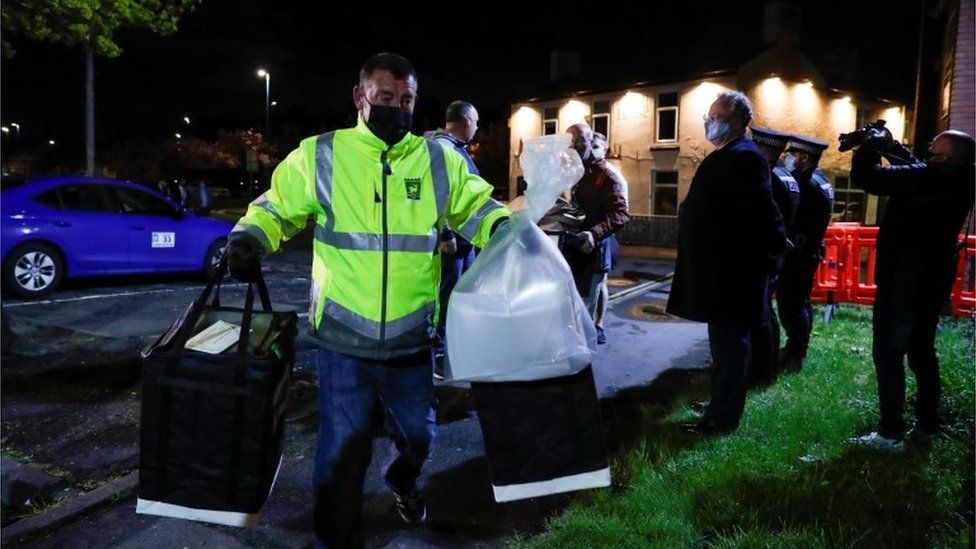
{"x": 267, "y": 103}
{"x": 16, "y": 128}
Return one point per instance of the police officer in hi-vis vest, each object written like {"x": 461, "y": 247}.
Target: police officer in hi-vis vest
{"x": 807, "y": 235}
{"x": 380, "y": 197}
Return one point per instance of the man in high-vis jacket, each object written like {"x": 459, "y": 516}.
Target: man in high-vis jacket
{"x": 380, "y": 197}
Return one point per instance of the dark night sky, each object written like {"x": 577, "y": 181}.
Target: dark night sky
{"x": 485, "y": 52}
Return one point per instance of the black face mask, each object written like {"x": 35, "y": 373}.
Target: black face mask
{"x": 389, "y": 123}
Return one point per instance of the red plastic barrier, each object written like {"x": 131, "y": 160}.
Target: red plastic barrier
{"x": 828, "y": 281}
{"x": 863, "y": 250}
{"x": 846, "y": 274}
{"x": 963, "y": 293}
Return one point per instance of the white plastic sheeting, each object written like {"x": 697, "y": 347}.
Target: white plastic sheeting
{"x": 515, "y": 315}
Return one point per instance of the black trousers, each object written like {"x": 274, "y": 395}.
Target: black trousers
{"x": 793, "y": 301}
{"x": 906, "y": 326}
{"x": 764, "y": 337}
{"x": 729, "y": 345}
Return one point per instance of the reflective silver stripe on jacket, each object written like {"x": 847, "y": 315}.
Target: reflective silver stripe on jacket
{"x": 470, "y": 227}
{"x": 370, "y": 241}
{"x": 323, "y": 176}
{"x": 371, "y": 328}
{"x": 254, "y": 231}
{"x": 287, "y": 227}
{"x": 438, "y": 172}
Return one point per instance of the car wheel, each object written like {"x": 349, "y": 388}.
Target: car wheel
{"x": 214, "y": 254}
{"x": 33, "y": 270}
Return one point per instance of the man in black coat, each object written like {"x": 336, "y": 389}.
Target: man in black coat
{"x": 786, "y": 195}
{"x": 807, "y": 234}
{"x": 729, "y": 234}
{"x": 928, "y": 203}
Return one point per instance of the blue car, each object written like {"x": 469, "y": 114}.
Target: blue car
{"x": 72, "y": 226}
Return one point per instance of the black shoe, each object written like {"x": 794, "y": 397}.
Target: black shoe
{"x": 439, "y": 366}
{"x": 922, "y": 434}
{"x": 601, "y": 338}
{"x": 703, "y": 428}
{"x": 411, "y": 507}
{"x": 790, "y": 364}
{"x": 699, "y": 405}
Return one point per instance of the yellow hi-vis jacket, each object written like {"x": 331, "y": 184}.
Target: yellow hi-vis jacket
{"x": 378, "y": 214}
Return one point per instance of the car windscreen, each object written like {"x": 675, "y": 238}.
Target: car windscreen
{"x": 134, "y": 201}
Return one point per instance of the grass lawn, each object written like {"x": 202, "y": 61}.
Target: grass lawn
{"x": 788, "y": 477}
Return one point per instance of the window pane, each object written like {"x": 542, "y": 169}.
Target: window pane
{"x": 49, "y": 199}
{"x": 667, "y": 125}
{"x": 601, "y": 124}
{"x": 89, "y": 198}
{"x": 550, "y": 112}
{"x": 138, "y": 202}
{"x": 665, "y": 178}
{"x": 549, "y": 127}
{"x": 601, "y": 107}
{"x": 665, "y": 201}
{"x": 667, "y": 99}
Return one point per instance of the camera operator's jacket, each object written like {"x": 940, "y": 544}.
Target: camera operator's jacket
{"x": 378, "y": 211}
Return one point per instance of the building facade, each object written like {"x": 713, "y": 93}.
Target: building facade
{"x": 657, "y": 137}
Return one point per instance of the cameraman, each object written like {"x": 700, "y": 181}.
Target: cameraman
{"x": 928, "y": 202}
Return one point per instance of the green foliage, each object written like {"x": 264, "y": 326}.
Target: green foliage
{"x": 790, "y": 477}
{"x": 88, "y": 23}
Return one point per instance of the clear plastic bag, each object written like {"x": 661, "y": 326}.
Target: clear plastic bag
{"x": 515, "y": 315}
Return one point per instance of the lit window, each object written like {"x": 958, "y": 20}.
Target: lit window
{"x": 601, "y": 118}
{"x": 849, "y": 201}
{"x": 664, "y": 193}
{"x": 550, "y": 120}
{"x": 667, "y": 117}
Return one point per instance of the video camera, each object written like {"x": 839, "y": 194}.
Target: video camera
{"x": 852, "y": 139}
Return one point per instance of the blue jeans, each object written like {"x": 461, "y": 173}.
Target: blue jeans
{"x": 904, "y": 326}
{"x": 349, "y": 389}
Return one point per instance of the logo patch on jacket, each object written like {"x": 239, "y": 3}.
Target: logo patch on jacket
{"x": 413, "y": 188}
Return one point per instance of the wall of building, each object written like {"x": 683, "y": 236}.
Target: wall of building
{"x": 962, "y": 109}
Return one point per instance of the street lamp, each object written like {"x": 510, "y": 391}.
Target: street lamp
{"x": 16, "y": 128}
{"x": 187, "y": 120}
{"x": 179, "y": 136}
{"x": 267, "y": 103}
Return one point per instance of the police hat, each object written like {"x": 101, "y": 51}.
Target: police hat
{"x": 806, "y": 144}
{"x": 770, "y": 138}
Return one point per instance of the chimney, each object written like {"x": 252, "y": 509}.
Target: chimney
{"x": 781, "y": 23}
{"x": 563, "y": 64}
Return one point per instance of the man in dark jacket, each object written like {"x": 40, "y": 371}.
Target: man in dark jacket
{"x": 457, "y": 254}
{"x": 928, "y": 203}
{"x": 786, "y": 195}
{"x": 807, "y": 234}
{"x": 729, "y": 234}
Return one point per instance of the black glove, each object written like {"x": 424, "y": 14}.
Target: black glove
{"x": 899, "y": 154}
{"x": 244, "y": 257}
